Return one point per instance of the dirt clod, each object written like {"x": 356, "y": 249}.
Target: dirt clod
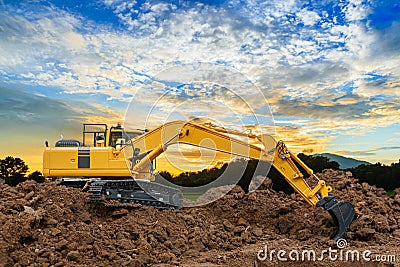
{"x": 73, "y": 256}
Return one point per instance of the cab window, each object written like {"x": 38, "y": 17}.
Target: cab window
{"x": 115, "y": 138}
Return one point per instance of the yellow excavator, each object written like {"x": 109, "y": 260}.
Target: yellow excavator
{"x": 101, "y": 164}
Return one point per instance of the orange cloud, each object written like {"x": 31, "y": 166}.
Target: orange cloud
{"x": 299, "y": 140}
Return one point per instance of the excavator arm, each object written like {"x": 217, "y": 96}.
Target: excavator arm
{"x": 149, "y": 146}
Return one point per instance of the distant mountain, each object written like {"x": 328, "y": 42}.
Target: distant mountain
{"x": 344, "y": 162}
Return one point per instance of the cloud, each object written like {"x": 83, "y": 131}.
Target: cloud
{"x": 368, "y": 152}
{"x": 301, "y": 140}
{"x": 356, "y": 10}
{"x": 345, "y": 107}
{"x": 20, "y": 109}
{"x": 387, "y": 45}
{"x": 309, "y": 18}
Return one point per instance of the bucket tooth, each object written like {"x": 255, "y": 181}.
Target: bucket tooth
{"x": 342, "y": 213}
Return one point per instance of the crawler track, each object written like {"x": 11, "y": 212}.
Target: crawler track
{"x": 134, "y": 191}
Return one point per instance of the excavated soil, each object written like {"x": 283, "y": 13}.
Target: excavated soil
{"x": 48, "y": 225}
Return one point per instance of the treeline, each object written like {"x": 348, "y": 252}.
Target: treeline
{"x": 380, "y": 175}
{"x": 230, "y": 174}
{"x": 247, "y": 169}
{"x": 13, "y": 171}
{"x": 385, "y": 176}
{"x": 222, "y": 175}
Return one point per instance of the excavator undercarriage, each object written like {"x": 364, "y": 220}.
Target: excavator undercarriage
{"x": 135, "y": 191}
{"x": 119, "y": 165}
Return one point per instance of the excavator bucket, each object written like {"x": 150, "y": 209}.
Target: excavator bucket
{"x": 342, "y": 213}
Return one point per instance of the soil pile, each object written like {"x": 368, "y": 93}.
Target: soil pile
{"x": 48, "y": 225}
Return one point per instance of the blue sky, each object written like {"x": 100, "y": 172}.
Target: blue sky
{"x": 328, "y": 69}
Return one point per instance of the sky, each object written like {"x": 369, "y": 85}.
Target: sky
{"x": 324, "y": 74}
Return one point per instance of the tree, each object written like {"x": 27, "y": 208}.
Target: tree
{"x": 13, "y": 170}
{"x": 37, "y": 176}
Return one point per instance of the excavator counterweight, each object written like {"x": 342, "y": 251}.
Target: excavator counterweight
{"x": 110, "y": 174}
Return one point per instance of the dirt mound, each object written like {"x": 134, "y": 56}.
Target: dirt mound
{"x": 48, "y": 225}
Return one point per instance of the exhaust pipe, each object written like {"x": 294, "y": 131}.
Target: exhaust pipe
{"x": 342, "y": 212}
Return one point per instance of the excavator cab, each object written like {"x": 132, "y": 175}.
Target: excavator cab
{"x": 103, "y": 136}
{"x": 96, "y": 132}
